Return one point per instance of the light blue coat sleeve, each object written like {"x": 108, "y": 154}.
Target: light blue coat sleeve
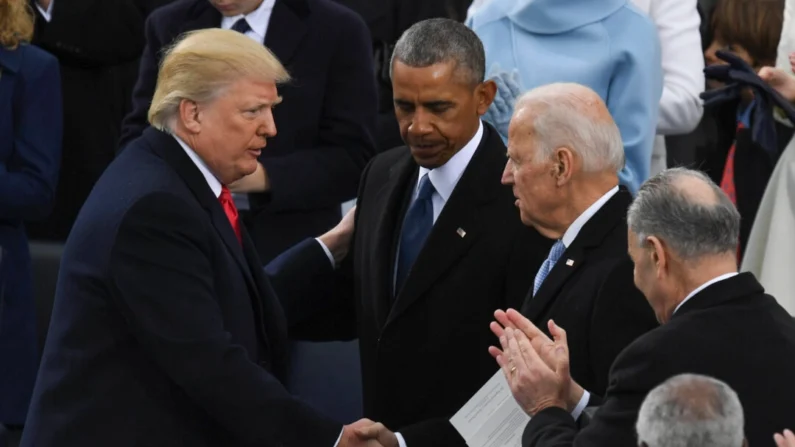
{"x": 634, "y": 100}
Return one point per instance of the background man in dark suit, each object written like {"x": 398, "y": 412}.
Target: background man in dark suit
{"x": 164, "y": 329}
{"x": 436, "y": 234}
{"x": 98, "y": 44}
{"x": 683, "y": 233}
{"x": 564, "y": 155}
{"x": 326, "y": 124}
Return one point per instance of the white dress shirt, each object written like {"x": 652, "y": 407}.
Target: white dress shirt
{"x": 215, "y": 186}
{"x": 46, "y": 13}
{"x": 257, "y": 20}
{"x": 444, "y": 179}
{"x": 575, "y": 227}
{"x": 212, "y": 180}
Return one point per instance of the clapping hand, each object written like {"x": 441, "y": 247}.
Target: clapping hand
{"x": 786, "y": 439}
{"x": 536, "y": 368}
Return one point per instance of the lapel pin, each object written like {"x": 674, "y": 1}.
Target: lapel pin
{"x": 570, "y": 262}
{"x": 461, "y": 232}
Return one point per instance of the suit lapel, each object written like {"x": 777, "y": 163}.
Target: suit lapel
{"x": 460, "y": 223}
{"x": 286, "y": 28}
{"x": 168, "y": 149}
{"x": 387, "y": 229}
{"x": 591, "y": 235}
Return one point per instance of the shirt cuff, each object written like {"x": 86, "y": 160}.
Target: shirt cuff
{"x": 328, "y": 252}
{"x": 586, "y": 396}
{"x": 401, "y": 441}
{"x": 339, "y": 438}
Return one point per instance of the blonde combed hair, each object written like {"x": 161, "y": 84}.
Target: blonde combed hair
{"x": 200, "y": 65}
{"x": 16, "y": 23}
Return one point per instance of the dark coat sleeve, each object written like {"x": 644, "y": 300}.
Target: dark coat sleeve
{"x": 330, "y": 171}
{"x": 29, "y": 175}
{"x": 161, "y": 274}
{"x": 635, "y": 372}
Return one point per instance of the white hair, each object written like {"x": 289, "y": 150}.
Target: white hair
{"x": 691, "y": 410}
{"x": 564, "y": 115}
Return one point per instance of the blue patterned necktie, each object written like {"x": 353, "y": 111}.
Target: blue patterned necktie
{"x": 241, "y": 26}
{"x": 554, "y": 254}
{"x": 416, "y": 227}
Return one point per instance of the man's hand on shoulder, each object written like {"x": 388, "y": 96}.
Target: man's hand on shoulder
{"x": 338, "y": 239}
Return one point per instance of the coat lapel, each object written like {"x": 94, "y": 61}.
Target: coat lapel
{"x": 575, "y": 257}
{"x": 459, "y": 225}
{"x": 286, "y": 28}
{"x": 392, "y": 195}
{"x": 167, "y": 148}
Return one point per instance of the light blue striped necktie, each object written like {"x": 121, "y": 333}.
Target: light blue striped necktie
{"x": 554, "y": 254}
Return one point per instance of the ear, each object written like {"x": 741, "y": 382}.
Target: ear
{"x": 563, "y": 165}
{"x": 484, "y": 95}
{"x": 658, "y": 256}
{"x": 189, "y": 115}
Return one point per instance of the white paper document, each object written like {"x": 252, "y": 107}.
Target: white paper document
{"x": 492, "y": 418}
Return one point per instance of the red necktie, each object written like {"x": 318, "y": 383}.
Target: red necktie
{"x": 231, "y": 210}
{"x": 727, "y": 180}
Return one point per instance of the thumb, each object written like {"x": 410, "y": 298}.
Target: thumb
{"x": 562, "y": 362}
{"x": 767, "y": 74}
{"x": 558, "y": 334}
{"x": 369, "y": 432}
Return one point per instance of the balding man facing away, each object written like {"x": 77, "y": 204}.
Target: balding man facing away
{"x": 691, "y": 410}
{"x": 682, "y": 237}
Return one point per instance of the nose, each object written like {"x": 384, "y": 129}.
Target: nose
{"x": 267, "y": 127}
{"x": 507, "y": 174}
{"x": 420, "y": 124}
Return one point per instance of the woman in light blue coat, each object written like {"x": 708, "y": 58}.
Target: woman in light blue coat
{"x": 607, "y": 45}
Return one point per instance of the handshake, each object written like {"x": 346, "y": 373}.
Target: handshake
{"x": 367, "y": 433}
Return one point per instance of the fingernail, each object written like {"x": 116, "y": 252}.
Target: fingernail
{"x": 788, "y": 432}
{"x": 560, "y": 351}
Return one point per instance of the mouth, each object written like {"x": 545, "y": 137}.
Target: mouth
{"x": 425, "y": 147}
{"x": 255, "y": 152}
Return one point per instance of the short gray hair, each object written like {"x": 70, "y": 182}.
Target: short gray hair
{"x": 691, "y": 410}
{"x": 692, "y": 227}
{"x": 435, "y": 41}
{"x": 574, "y": 116}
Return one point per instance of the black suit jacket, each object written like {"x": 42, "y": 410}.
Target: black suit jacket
{"x": 164, "y": 329}
{"x": 325, "y": 125}
{"x": 591, "y": 293}
{"x": 425, "y": 355}
{"x": 732, "y": 331}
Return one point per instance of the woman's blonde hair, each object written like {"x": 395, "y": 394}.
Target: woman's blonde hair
{"x": 16, "y": 23}
{"x": 200, "y": 65}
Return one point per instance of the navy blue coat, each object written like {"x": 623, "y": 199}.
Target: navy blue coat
{"x": 165, "y": 330}
{"x": 326, "y": 123}
{"x": 30, "y": 153}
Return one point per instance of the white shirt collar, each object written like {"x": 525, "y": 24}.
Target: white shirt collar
{"x": 47, "y": 14}
{"x": 257, "y": 19}
{"x": 215, "y": 185}
{"x": 704, "y": 286}
{"x": 575, "y": 227}
{"x": 445, "y": 177}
